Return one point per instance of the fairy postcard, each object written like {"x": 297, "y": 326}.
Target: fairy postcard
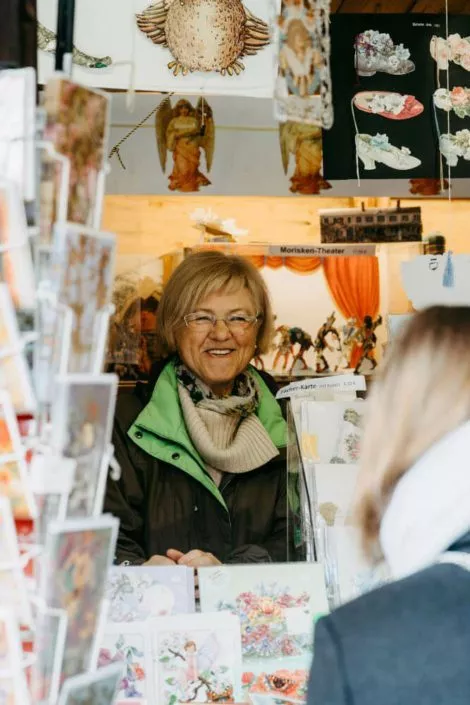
{"x": 197, "y": 658}
{"x": 97, "y": 687}
{"x": 277, "y": 606}
{"x": 13, "y": 587}
{"x": 130, "y": 646}
{"x": 14, "y": 373}
{"x": 84, "y": 273}
{"x": 78, "y": 553}
{"x": 136, "y": 593}
{"x": 331, "y": 431}
{"x": 68, "y": 103}
{"x": 13, "y": 687}
{"x": 82, "y": 415}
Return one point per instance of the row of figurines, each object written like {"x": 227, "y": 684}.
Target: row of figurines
{"x": 352, "y": 347}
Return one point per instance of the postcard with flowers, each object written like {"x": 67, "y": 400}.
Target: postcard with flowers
{"x": 97, "y": 687}
{"x": 13, "y": 687}
{"x": 197, "y": 658}
{"x": 84, "y": 272}
{"x": 82, "y": 416}
{"x": 14, "y": 373}
{"x": 333, "y": 491}
{"x": 13, "y": 586}
{"x": 277, "y": 606}
{"x": 331, "y": 431}
{"x": 136, "y": 593}
{"x": 87, "y": 110}
{"x": 78, "y": 553}
{"x": 130, "y": 646}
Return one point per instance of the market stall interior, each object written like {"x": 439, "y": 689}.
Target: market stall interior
{"x": 328, "y": 145}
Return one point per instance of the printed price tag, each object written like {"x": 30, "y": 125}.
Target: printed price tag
{"x": 338, "y": 383}
{"x": 321, "y": 250}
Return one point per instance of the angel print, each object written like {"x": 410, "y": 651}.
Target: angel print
{"x": 204, "y": 35}
{"x": 304, "y": 143}
{"x": 298, "y": 60}
{"x": 184, "y": 131}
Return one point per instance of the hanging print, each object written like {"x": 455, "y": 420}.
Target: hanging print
{"x": 303, "y": 86}
{"x": 304, "y": 143}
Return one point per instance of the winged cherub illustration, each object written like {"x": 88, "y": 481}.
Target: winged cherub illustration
{"x": 184, "y": 131}
{"x": 204, "y": 35}
{"x": 304, "y": 142}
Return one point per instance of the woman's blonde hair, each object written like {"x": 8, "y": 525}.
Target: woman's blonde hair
{"x": 422, "y": 393}
{"x": 200, "y": 275}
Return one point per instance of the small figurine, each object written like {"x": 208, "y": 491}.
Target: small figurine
{"x": 321, "y": 343}
{"x": 284, "y": 348}
{"x": 368, "y": 340}
{"x": 350, "y": 332}
{"x": 305, "y": 342}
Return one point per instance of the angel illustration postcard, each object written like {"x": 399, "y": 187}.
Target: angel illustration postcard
{"x": 333, "y": 430}
{"x": 67, "y": 103}
{"x": 13, "y": 587}
{"x": 277, "y": 606}
{"x": 82, "y": 415}
{"x": 84, "y": 276}
{"x": 78, "y": 553}
{"x": 130, "y": 646}
{"x": 138, "y": 593}
{"x": 95, "y": 688}
{"x": 197, "y": 658}
{"x": 13, "y": 688}
{"x": 14, "y": 373}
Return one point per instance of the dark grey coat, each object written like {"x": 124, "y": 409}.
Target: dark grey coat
{"x": 407, "y": 643}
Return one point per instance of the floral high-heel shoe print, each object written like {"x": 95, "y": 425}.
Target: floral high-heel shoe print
{"x": 454, "y": 147}
{"x": 393, "y": 106}
{"x": 377, "y": 148}
{"x": 458, "y": 100}
{"x": 375, "y": 51}
{"x": 455, "y": 48}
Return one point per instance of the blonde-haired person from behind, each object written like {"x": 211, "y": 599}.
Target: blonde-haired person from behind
{"x": 408, "y": 642}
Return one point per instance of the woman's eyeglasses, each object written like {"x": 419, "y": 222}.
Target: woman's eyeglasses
{"x": 236, "y": 322}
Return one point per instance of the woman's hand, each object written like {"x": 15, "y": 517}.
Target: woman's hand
{"x": 159, "y": 560}
{"x": 193, "y": 559}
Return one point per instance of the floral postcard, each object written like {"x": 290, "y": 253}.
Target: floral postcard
{"x": 331, "y": 431}
{"x": 68, "y": 103}
{"x": 51, "y": 630}
{"x": 16, "y": 264}
{"x": 277, "y": 606}
{"x": 17, "y": 129}
{"x": 14, "y": 372}
{"x": 97, "y": 687}
{"x": 130, "y": 646}
{"x": 333, "y": 491}
{"x": 136, "y": 593}
{"x": 82, "y": 416}
{"x": 13, "y": 687}
{"x": 13, "y": 587}
{"x": 78, "y": 553}
{"x": 84, "y": 272}
{"x": 14, "y": 481}
{"x": 197, "y": 658}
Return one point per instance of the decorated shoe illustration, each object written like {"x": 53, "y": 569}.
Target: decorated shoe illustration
{"x": 376, "y": 51}
{"x": 377, "y": 148}
{"x": 458, "y": 100}
{"x": 455, "y": 146}
{"x": 455, "y": 48}
{"x": 393, "y": 106}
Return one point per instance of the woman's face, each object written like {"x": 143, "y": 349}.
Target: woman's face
{"x": 219, "y": 355}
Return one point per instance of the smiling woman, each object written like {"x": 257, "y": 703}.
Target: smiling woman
{"x": 202, "y": 449}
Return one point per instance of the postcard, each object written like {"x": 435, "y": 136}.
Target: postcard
{"x": 84, "y": 273}
{"x": 277, "y": 606}
{"x": 82, "y": 417}
{"x": 14, "y": 372}
{"x": 333, "y": 491}
{"x": 51, "y": 631}
{"x": 66, "y": 103}
{"x": 13, "y": 687}
{"x": 98, "y": 687}
{"x": 53, "y": 193}
{"x": 197, "y": 658}
{"x": 130, "y": 645}
{"x": 17, "y": 129}
{"x": 13, "y": 587}
{"x": 78, "y": 553}
{"x": 16, "y": 262}
{"x": 136, "y": 593}
{"x": 331, "y": 431}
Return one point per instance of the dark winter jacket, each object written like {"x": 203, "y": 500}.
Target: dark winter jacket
{"x": 165, "y": 499}
{"x": 407, "y": 643}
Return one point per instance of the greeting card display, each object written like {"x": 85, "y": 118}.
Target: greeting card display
{"x": 14, "y": 373}
{"x": 277, "y": 606}
{"x": 197, "y": 658}
{"x": 82, "y": 417}
{"x": 98, "y": 687}
{"x": 130, "y": 645}
{"x": 138, "y": 593}
{"x": 85, "y": 274}
{"x": 331, "y": 431}
{"x": 68, "y": 103}
{"x": 17, "y": 129}
{"x": 78, "y": 553}
{"x": 13, "y": 688}
{"x": 13, "y": 588}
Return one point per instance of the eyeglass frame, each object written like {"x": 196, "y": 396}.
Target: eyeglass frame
{"x": 215, "y": 319}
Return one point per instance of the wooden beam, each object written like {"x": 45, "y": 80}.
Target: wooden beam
{"x": 392, "y": 6}
{"x": 456, "y": 7}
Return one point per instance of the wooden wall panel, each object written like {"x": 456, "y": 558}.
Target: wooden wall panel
{"x": 394, "y": 6}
